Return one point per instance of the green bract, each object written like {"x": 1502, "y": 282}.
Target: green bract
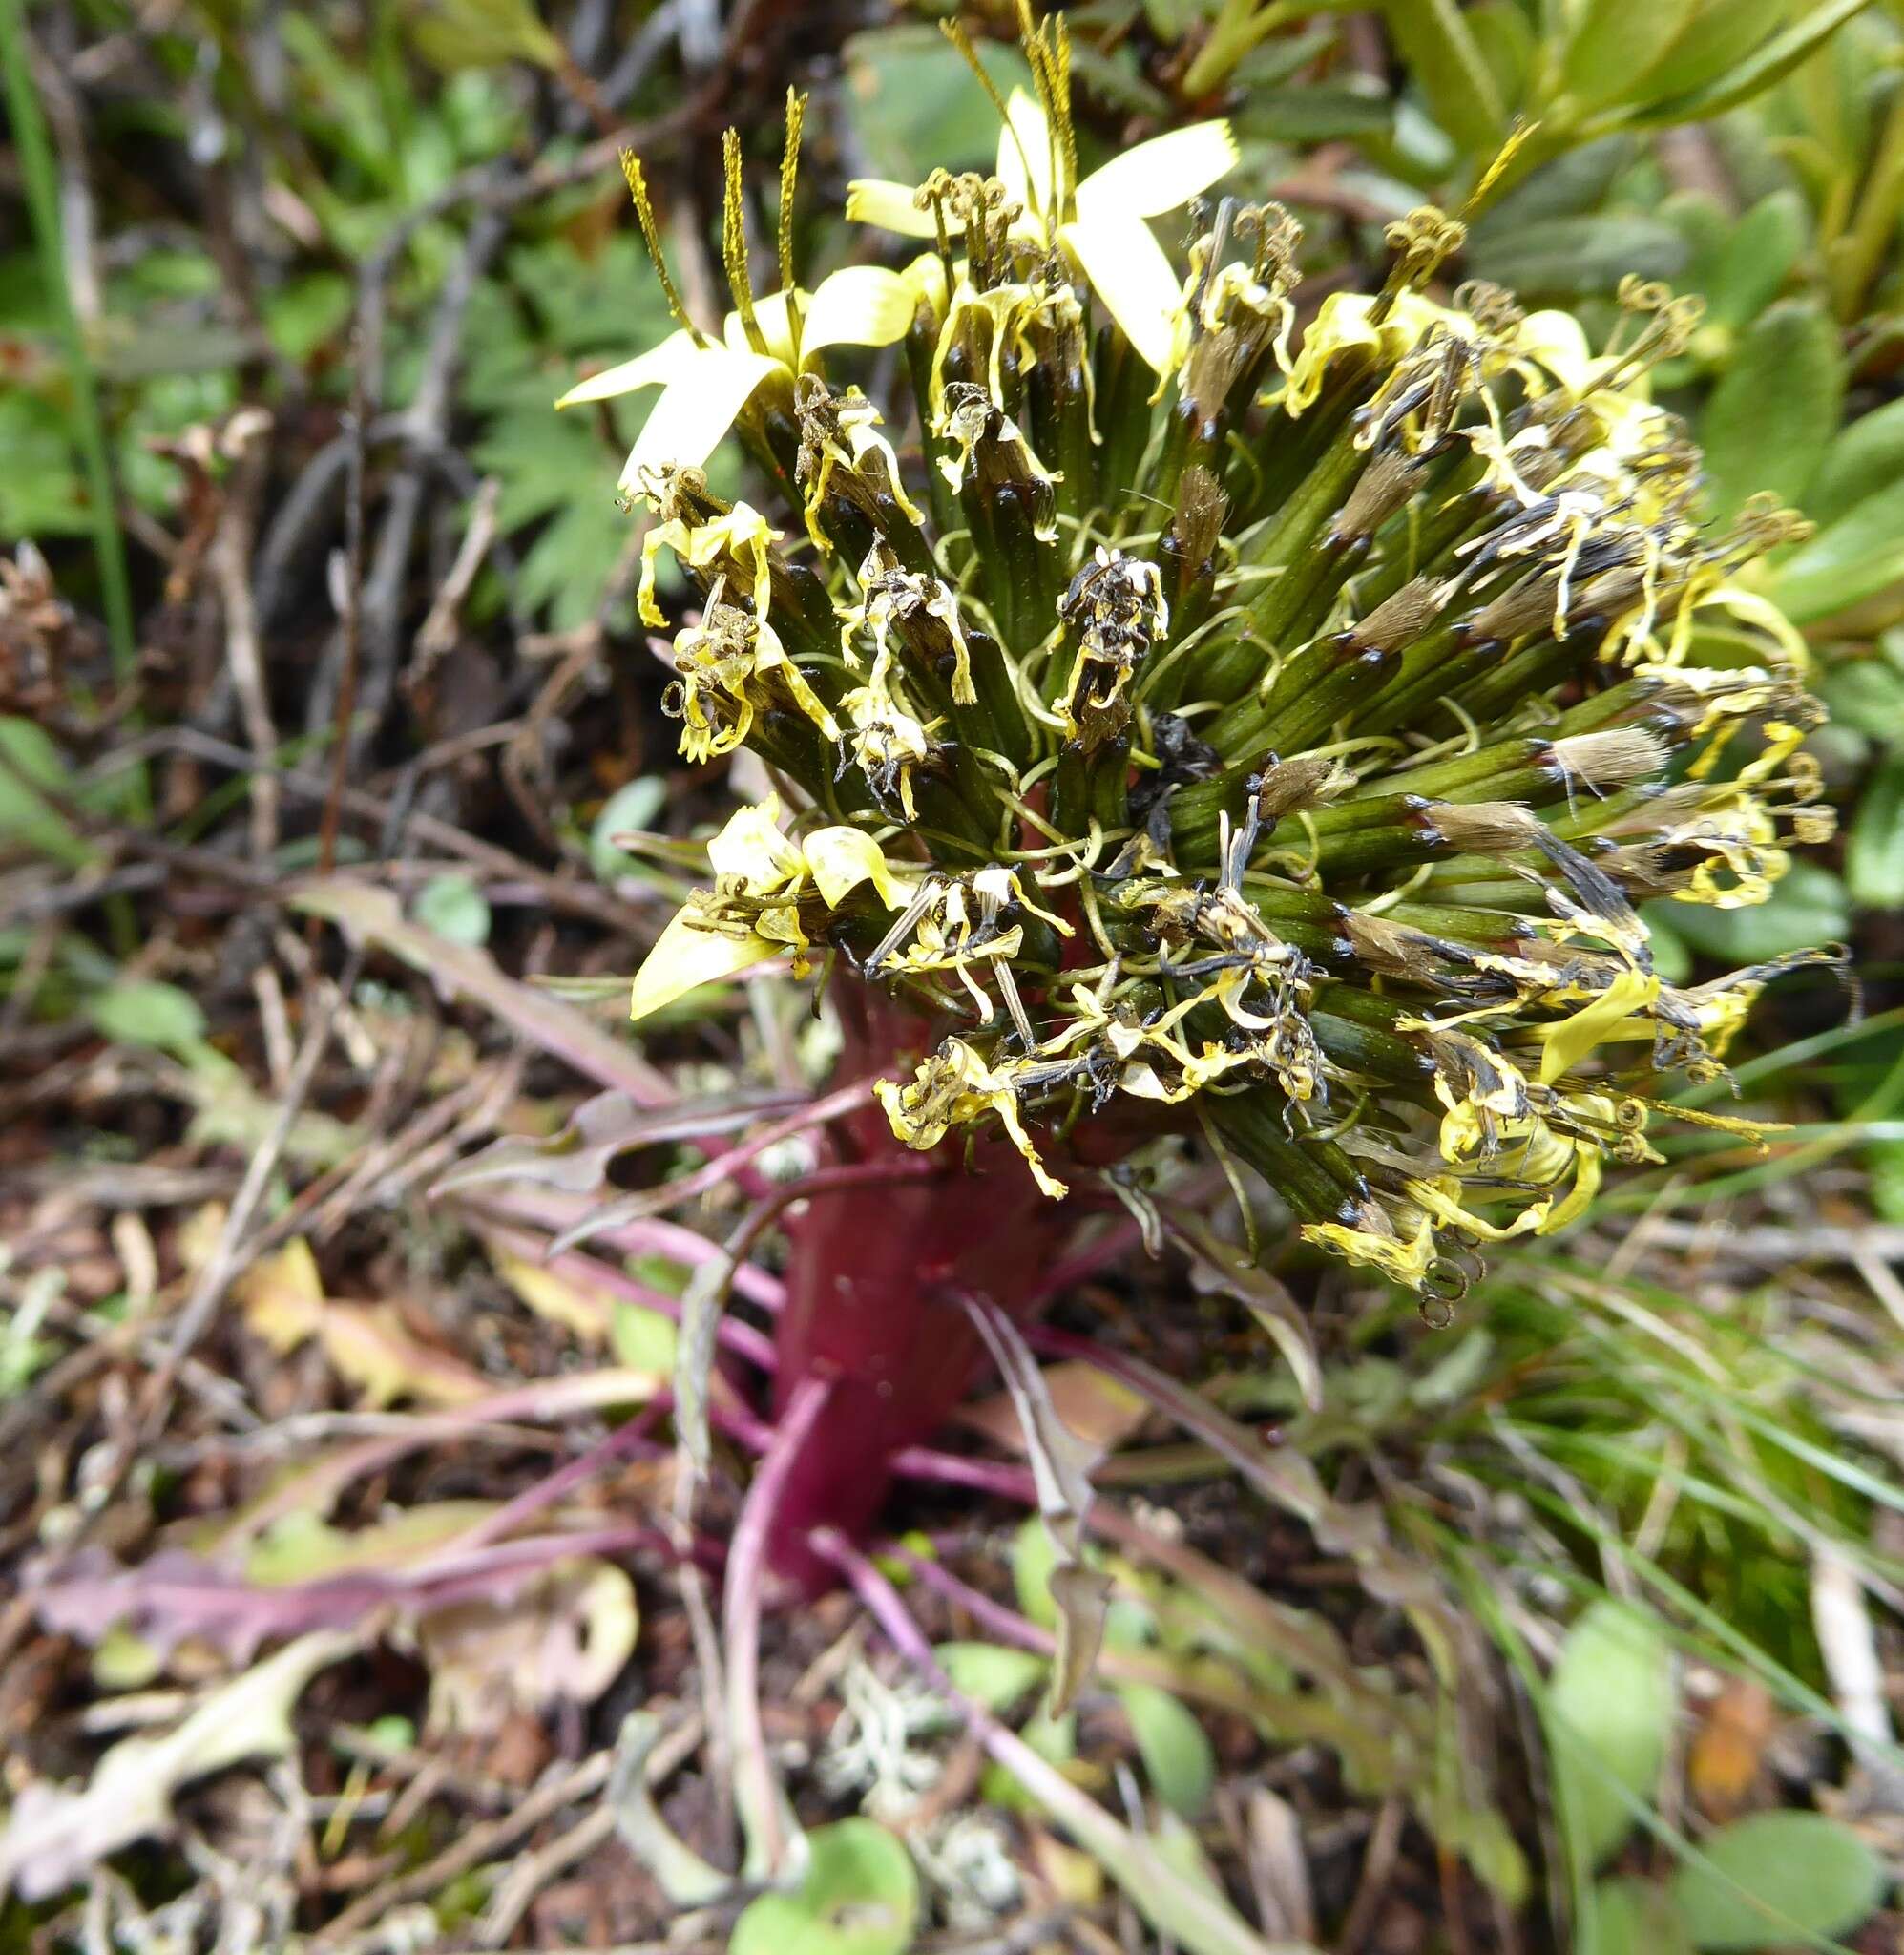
{"x": 1210, "y": 723}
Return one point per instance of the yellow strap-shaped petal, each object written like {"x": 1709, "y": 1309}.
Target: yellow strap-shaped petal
{"x": 1129, "y": 272}
{"x": 770, "y": 316}
{"x": 752, "y": 850}
{"x": 693, "y": 415}
{"x": 658, "y": 367}
{"x": 863, "y": 305}
{"x": 1569, "y": 1042}
{"x": 685, "y": 956}
{"x": 839, "y": 859}
{"x": 878, "y": 201}
{"x": 1024, "y": 156}
{"x": 1558, "y": 342}
{"x": 1161, "y": 174}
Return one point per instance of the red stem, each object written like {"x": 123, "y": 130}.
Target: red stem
{"x": 868, "y": 1286}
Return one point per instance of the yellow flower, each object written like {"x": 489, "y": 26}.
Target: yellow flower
{"x": 1099, "y": 222}
{"x": 705, "y": 383}
{"x": 752, "y": 913}
{"x": 954, "y": 1087}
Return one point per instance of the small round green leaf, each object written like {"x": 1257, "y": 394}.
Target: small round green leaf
{"x": 629, "y": 807}
{"x": 860, "y": 1897}
{"x": 1776, "y": 1876}
{"x": 1633, "y": 1918}
{"x": 1176, "y": 1752}
{"x": 455, "y": 909}
{"x": 147, "y": 1013}
{"x": 990, "y": 1673}
{"x": 1609, "y": 1713}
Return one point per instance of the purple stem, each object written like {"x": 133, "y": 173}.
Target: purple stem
{"x": 756, "y": 1794}
{"x": 544, "y": 1209}
{"x": 1003, "y": 1624}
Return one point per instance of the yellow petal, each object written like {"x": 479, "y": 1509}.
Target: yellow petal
{"x": 1129, "y": 272}
{"x": 693, "y": 415}
{"x": 876, "y": 201}
{"x": 1404, "y": 1261}
{"x": 656, "y": 367}
{"x": 770, "y": 316}
{"x": 685, "y": 956}
{"x": 1161, "y": 174}
{"x": 752, "y": 852}
{"x": 839, "y": 859}
{"x": 864, "y": 305}
{"x": 1024, "y": 155}
{"x": 1558, "y": 342}
{"x": 1566, "y": 1043}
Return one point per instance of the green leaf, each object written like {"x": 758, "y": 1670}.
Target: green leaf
{"x": 1807, "y": 908}
{"x": 1775, "y": 1877}
{"x": 1633, "y": 1918}
{"x": 1724, "y": 32}
{"x": 631, "y": 807}
{"x": 1757, "y": 257}
{"x": 144, "y": 1012}
{"x": 912, "y": 103}
{"x": 860, "y": 1896}
{"x": 1568, "y": 187}
{"x": 1033, "y": 1557}
{"x": 1772, "y": 416}
{"x": 1176, "y": 1751}
{"x": 483, "y": 33}
{"x": 30, "y": 762}
{"x": 1609, "y": 1713}
{"x": 641, "y": 1339}
{"x": 1854, "y": 558}
{"x": 1866, "y": 458}
{"x": 40, "y": 490}
{"x": 990, "y": 1673}
{"x": 1565, "y": 257}
{"x": 1866, "y": 695}
{"x": 1616, "y": 44}
{"x": 1768, "y": 63}
{"x": 1507, "y": 41}
{"x": 1318, "y": 112}
{"x": 454, "y": 907}
{"x": 1874, "y": 849}
{"x": 1433, "y": 37}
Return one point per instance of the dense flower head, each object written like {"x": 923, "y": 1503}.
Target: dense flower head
{"x": 1269, "y": 732}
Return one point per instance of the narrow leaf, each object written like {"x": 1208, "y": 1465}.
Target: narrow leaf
{"x": 1772, "y": 416}
{"x": 1432, "y": 38}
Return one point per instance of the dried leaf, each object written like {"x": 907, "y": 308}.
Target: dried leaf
{"x": 175, "y": 1596}
{"x": 701, "y": 1306}
{"x": 1724, "y": 1760}
{"x": 54, "y": 1836}
{"x": 1215, "y": 1265}
{"x": 371, "y": 915}
{"x": 589, "y": 1312}
{"x": 284, "y": 1302}
{"x": 1061, "y": 1463}
{"x": 577, "y": 1160}
{"x": 567, "y": 1635}
{"x": 686, "y": 1878}
{"x": 1099, "y": 1409}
